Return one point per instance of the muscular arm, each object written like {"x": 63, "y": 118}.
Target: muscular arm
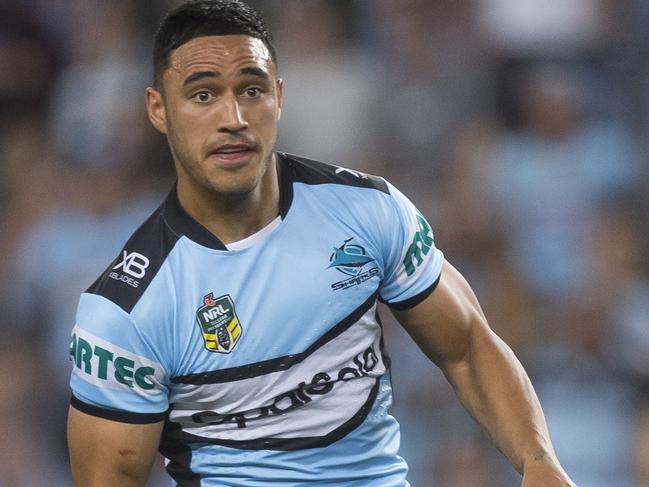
{"x": 109, "y": 453}
{"x": 451, "y": 329}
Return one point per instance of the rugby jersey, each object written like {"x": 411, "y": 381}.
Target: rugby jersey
{"x": 264, "y": 358}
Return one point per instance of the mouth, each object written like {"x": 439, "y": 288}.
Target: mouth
{"x": 232, "y": 155}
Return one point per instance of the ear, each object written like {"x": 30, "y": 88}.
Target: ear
{"x": 280, "y": 97}
{"x": 155, "y": 108}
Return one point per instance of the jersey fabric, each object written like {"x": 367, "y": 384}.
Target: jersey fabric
{"x": 265, "y": 359}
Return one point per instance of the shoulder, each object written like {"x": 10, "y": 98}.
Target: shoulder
{"x": 312, "y": 172}
{"x": 127, "y": 277}
{"x": 351, "y": 196}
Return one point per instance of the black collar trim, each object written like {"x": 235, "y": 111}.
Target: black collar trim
{"x": 286, "y": 176}
{"x": 183, "y": 223}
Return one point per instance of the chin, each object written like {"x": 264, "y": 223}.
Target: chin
{"x": 238, "y": 184}
{"x": 234, "y": 189}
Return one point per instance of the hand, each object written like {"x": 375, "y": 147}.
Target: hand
{"x": 545, "y": 473}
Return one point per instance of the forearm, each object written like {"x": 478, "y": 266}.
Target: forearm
{"x": 493, "y": 386}
{"x": 452, "y": 330}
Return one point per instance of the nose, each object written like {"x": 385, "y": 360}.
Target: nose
{"x": 231, "y": 119}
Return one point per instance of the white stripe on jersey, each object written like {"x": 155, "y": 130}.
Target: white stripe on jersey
{"x": 311, "y": 398}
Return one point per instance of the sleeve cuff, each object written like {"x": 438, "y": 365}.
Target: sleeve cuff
{"x": 117, "y": 415}
{"x": 414, "y": 300}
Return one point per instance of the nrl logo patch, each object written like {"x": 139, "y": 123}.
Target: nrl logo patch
{"x": 219, "y": 323}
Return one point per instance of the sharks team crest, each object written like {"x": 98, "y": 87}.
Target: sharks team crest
{"x": 219, "y": 323}
{"x": 352, "y": 259}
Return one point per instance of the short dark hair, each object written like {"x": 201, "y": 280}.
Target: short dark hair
{"x": 198, "y": 18}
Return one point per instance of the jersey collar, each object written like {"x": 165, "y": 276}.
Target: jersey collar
{"x": 183, "y": 223}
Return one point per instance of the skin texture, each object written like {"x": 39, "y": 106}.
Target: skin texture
{"x": 224, "y": 90}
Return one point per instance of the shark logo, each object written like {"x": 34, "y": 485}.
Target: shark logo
{"x": 349, "y": 258}
{"x": 352, "y": 260}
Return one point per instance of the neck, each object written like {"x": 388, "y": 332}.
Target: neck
{"x": 233, "y": 217}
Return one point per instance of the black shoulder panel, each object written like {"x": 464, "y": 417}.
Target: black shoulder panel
{"x": 313, "y": 172}
{"x": 128, "y": 276}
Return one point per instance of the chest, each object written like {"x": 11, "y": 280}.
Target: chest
{"x": 281, "y": 298}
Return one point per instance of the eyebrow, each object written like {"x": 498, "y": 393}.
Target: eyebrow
{"x": 255, "y": 71}
{"x": 198, "y": 75}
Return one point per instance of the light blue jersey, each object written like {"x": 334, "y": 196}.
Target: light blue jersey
{"x": 264, "y": 358}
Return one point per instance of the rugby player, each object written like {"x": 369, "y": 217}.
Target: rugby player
{"x": 237, "y": 330}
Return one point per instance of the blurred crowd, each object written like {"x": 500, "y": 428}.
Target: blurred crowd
{"x": 518, "y": 127}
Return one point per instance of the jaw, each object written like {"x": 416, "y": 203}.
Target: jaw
{"x": 227, "y": 186}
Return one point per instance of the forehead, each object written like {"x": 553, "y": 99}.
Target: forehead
{"x": 220, "y": 53}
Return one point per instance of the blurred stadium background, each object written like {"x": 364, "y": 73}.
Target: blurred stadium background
{"x": 519, "y": 127}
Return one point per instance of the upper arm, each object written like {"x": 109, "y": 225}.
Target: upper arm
{"x": 445, "y": 323}
{"x": 118, "y": 371}
{"x": 119, "y": 385}
{"x": 108, "y": 453}
{"x": 427, "y": 295}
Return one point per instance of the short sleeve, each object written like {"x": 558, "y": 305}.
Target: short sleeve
{"x": 117, "y": 373}
{"x": 412, "y": 263}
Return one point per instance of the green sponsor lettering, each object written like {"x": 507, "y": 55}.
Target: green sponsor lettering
{"x": 81, "y": 354}
{"x": 104, "y": 357}
{"x": 140, "y": 377}
{"x": 421, "y": 244}
{"x": 84, "y": 354}
{"x": 124, "y": 371}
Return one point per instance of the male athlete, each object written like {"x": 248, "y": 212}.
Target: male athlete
{"x": 237, "y": 331}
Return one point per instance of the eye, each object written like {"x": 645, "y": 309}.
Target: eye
{"x": 252, "y": 92}
{"x": 203, "y": 96}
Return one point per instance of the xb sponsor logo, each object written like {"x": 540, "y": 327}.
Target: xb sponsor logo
{"x": 219, "y": 323}
{"x": 134, "y": 267}
{"x": 420, "y": 246}
{"x": 352, "y": 260}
